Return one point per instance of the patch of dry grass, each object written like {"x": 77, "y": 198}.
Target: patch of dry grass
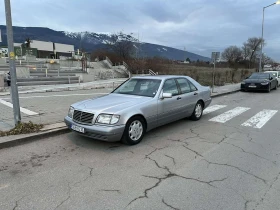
{"x": 204, "y": 74}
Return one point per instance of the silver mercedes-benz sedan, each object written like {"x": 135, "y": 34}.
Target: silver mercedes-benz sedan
{"x": 137, "y": 106}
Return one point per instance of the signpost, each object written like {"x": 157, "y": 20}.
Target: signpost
{"x": 214, "y": 57}
{"x": 11, "y": 54}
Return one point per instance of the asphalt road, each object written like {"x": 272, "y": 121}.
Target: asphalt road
{"x": 229, "y": 160}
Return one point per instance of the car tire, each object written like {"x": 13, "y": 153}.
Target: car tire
{"x": 134, "y": 131}
{"x": 269, "y": 89}
{"x": 276, "y": 86}
{"x": 197, "y": 112}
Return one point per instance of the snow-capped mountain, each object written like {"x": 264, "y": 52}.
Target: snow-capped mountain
{"x": 92, "y": 41}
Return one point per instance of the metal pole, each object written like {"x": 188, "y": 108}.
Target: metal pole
{"x": 14, "y": 88}
{"x": 261, "y": 55}
{"x": 213, "y": 76}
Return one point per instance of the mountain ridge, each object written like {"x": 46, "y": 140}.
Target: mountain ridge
{"x": 91, "y": 41}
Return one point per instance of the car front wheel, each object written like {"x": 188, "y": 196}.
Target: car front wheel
{"x": 269, "y": 89}
{"x": 134, "y": 131}
{"x": 198, "y": 111}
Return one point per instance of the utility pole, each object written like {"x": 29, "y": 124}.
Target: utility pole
{"x": 10, "y": 39}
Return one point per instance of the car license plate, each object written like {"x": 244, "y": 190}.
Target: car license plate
{"x": 252, "y": 86}
{"x": 78, "y": 129}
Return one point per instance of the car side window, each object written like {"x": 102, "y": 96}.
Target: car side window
{"x": 184, "y": 85}
{"x": 193, "y": 88}
{"x": 170, "y": 86}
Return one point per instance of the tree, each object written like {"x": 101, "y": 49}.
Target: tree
{"x": 253, "y": 45}
{"x": 232, "y": 54}
{"x": 245, "y": 51}
{"x": 267, "y": 60}
{"x": 188, "y": 60}
{"x": 122, "y": 45}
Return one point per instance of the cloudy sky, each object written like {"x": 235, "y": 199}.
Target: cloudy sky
{"x": 199, "y": 26}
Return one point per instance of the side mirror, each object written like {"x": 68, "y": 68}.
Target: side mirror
{"x": 271, "y": 78}
{"x": 166, "y": 95}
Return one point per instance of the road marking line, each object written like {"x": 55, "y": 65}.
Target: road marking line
{"x": 213, "y": 108}
{"x": 86, "y": 94}
{"x": 23, "y": 110}
{"x": 260, "y": 119}
{"x": 222, "y": 118}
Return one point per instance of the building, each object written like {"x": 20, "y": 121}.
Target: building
{"x": 42, "y": 49}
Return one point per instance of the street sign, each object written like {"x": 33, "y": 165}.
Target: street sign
{"x": 215, "y": 56}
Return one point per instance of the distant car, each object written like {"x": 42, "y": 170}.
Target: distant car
{"x": 260, "y": 81}
{"x": 7, "y": 78}
{"x": 275, "y": 74}
{"x": 137, "y": 106}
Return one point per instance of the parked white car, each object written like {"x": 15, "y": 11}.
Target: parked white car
{"x": 275, "y": 74}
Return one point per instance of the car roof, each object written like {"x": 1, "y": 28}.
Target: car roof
{"x": 158, "y": 76}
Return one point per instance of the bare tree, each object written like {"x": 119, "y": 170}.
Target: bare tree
{"x": 267, "y": 60}
{"x": 232, "y": 54}
{"x": 245, "y": 51}
{"x": 122, "y": 45}
{"x": 253, "y": 45}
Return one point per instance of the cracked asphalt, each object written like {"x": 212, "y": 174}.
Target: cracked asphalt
{"x": 185, "y": 165}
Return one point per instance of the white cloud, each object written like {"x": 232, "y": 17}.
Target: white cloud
{"x": 194, "y": 24}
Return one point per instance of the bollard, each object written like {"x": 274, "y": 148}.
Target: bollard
{"x": 46, "y": 72}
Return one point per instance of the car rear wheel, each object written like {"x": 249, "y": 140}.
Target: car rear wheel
{"x": 134, "y": 131}
{"x": 276, "y": 86}
{"x": 198, "y": 111}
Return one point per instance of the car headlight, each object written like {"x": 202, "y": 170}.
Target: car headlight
{"x": 264, "y": 83}
{"x": 71, "y": 112}
{"x": 243, "y": 83}
{"x": 108, "y": 119}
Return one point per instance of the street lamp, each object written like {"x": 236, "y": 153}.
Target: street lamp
{"x": 261, "y": 56}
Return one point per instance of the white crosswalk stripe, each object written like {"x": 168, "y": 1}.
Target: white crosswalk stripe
{"x": 213, "y": 108}
{"x": 260, "y": 119}
{"x": 222, "y": 118}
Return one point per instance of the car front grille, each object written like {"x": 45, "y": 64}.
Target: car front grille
{"x": 83, "y": 117}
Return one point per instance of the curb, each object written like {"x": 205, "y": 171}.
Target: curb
{"x": 17, "y": 140}
{"x": 226, "y": 93}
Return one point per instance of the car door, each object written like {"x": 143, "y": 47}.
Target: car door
{"x": 189, "y": 96}
{"x": 169, "y": 108}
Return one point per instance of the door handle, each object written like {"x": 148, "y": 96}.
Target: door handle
{"x": 195, "y": 93}
{"x": 179, "y": 98}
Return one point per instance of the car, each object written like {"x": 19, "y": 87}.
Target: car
{"x": 7, "y": 78}
{"x": 275, "y": 74}
{"x": 137, "y": 106}
{"x": 260, "y": 81}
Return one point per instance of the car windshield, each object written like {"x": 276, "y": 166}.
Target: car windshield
{"x": 259, "y": 76}
{"x": 274, "y": 74}
{"x": 139, "y": 87}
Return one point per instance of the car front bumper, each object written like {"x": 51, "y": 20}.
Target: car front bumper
{"x": 258, "y": 87}
{"x": 98, "y": 132}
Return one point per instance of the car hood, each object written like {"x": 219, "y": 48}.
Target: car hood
{"x": 256, "y": 80}
{"x": 110, "y": 104}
